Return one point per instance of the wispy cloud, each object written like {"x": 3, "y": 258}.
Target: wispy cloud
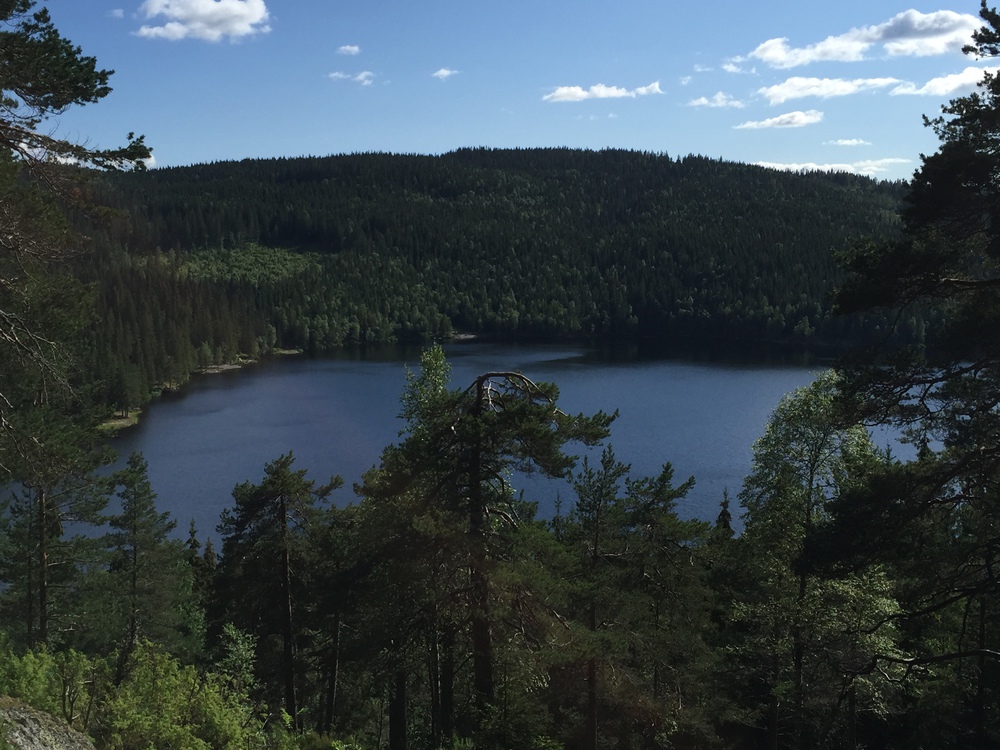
{"x": 946, "y": 85}
{"x": 910, "y": 33}
{"x": 684, "y": 80}
{"x": 117, "y": 13}
{"x": 599, "y": 91}
{"x": 877, "y": 166}
{"x": 720, "y": 99}
{"x": 872, "y": 167}
{"x": 788, "y": 120}
{"x": 847, "y": 142}
{"x": 365, "y": 77}
{"x": 798, "y": 87}
{"x": 349, "y": 49}
{"x": 211, "y": 20}
{"x": 444, "y": 74}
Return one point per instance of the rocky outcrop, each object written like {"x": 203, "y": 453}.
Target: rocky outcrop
{"x": 25, "y": 728}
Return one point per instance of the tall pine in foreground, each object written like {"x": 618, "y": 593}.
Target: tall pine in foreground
{"x": 453, "y": 468}
{"x": 263, "y": 575}
{"x": 149, "y": 577}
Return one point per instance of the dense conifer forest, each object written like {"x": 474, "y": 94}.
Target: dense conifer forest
{"x": 858, "y": 608}
{"x": 208, "y": 263}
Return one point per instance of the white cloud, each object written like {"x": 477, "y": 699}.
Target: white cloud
{"x": 210, "y": 20}
{"x": 719, "y": 100}
{"x": 349, "y": 49}
{"x": 117, "y": 13}
{"x": 947, "y": 85}
{"x": 734, "y": 66}
{"x": 685, "y": 80}
{"x": 847, "y": 142}
{"x": 777, "y": 53}
{"x": 909, "y": 33}
{"x": 702, "y": 69}
{"x": 653, "y": 88}
{"x": 444, "y": 73}
{"x": 872, "y": 168}
{"x": 365, "y": 77}
{"x": 875, "y": 166}
{"x": 798, "y": 87}
{"x": 599, "y": 91}
{"x": 788, "y": 120}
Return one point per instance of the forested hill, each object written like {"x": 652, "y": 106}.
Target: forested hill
{"x": 318, "y": 252}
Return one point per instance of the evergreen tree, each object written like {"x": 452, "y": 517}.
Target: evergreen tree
{"x": 453, "y": 464}
{"x": 59, "y": 496}
{"x": 264, "y": 547}
{"x": 41, "y": 75}
{"x": 151, "y": 584}
{"x": 943, "y": 504}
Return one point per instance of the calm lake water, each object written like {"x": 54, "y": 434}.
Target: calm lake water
{"x": 337, "y": 414}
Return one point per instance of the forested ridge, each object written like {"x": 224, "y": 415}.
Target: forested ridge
{"x": 235, "y": 258}
{"x": 433, "y": 609}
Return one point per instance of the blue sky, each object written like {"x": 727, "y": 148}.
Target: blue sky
{"x": 797, "y": 84}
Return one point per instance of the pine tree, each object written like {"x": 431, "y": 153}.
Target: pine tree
{"x": 451, "y": 469}
{"x": 41, "y": 75}
{"x": 149, "y": 578}
{"x": 265, "y": 537}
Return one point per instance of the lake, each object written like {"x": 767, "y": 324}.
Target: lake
{"x": 337, "y": 414}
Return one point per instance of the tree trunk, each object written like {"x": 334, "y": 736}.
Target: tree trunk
{"x": 482, "y": 644}
{"x": 852, "y": 718}
{"x": 434, "y": 675}
{"x": 397, "y": 713}
{"x": 43, "y": 568}
{"x": 448, "y": 684}
{"x": 590, "y": 742}
{"x": 333, "y": 674}
{"x": 980, "y": 709}
{"x": 288, "y": 634}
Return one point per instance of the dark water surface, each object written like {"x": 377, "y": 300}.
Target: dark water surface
{"x": 337, "y": 414}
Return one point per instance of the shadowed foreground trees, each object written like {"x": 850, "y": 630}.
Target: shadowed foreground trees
{"x": 41, "y": 75}
{"x": 454, "y": 467}
{"x": 932, "y": 521}
{"x": 440, "y": 610}
{"x": 264, "y": 577}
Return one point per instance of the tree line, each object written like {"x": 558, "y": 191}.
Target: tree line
{"x": 210, "y": 263}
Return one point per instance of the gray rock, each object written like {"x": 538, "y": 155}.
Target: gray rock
{"x": 25, "y": 728}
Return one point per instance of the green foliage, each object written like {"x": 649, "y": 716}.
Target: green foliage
{"x": 266, "y": 540}
{"x": 149, "y": 581}
{"x": 932, "y": 520}
{"x": 41, "y": 75}
{"x": 808, "y": 643}
{"x": 231, "y": 260}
